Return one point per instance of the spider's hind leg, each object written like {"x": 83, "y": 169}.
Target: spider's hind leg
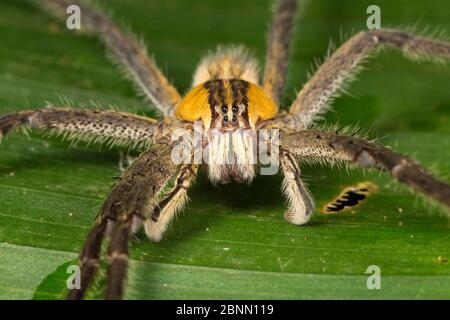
{"x": 130, "y": 53}
{"x": 340, "y": 68}
{"x": 278, "y": 42}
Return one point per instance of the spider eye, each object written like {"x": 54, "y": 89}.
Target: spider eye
{"x": 225, "y": 118}
{"x": 234, "y": 119}
{"x": 235, "y": 109}
{"x": 224, "y": 109}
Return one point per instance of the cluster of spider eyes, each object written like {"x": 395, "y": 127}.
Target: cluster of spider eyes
{"x": 235, "y": 109}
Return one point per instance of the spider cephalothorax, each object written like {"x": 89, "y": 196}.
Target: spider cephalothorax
{"x": 227, "y": 105}
{"x": 231, "y": 108}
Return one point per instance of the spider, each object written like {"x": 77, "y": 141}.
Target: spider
{"x": 226, "y": 96}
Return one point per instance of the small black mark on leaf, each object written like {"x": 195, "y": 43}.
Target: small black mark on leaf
{"x": 350, "y": 197}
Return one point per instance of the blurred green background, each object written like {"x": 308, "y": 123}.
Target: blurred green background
{"x": 232, "y": 241}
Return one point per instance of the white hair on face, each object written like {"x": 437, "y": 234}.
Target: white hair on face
{"x": 233, "y": 62}
{"x": 231, "y": 156}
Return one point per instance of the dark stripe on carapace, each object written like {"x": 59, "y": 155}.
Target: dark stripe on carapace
{"x": 239, "y": 89}
{"x": 216, "y": 96}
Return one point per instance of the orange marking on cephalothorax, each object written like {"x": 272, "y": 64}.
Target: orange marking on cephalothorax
{"x": 260, "y": 105}
{"x": 196, "y": 105}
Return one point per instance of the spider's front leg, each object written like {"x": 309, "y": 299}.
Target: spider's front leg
{"x": 169, "y": 205}
{"x": 139, "y": 195}
{"x": 301, "y": 205}
{"x": 327, "y": 147}
{"x": 89, "y": 125}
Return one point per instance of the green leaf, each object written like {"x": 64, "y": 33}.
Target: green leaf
{"x": 232, "y": 241}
